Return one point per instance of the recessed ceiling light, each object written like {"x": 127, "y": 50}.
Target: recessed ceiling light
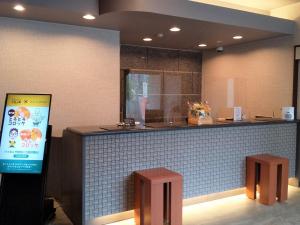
{"x": 147, "y": 39}
{"x": 175, "y": 29}
{"x": 19, "y": 8}
{"x": 202, "y": 45}
{"x": 88, "y": 17}
{"x": 238, "y": 37}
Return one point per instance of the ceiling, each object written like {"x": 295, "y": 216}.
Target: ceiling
{"x": 262, "y": 4}
{"x": 257, "y": 6}
{"x": 136, "y": 19}
{"x": 193, "y": 32}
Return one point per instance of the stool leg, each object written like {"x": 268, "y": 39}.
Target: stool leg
{"x": 176, "y": 202}
{"x": 156, "y": 205}
{"x": 250, "y": 178}
{"x": 137, "y": 200}
{"x": 282, "y": 183}
{"x": 268, "y": 177}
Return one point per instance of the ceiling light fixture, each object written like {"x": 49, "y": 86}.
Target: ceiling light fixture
{"x": 19, "y": 8}
{"x": 202, "y": 45}
{"x": 238, "y": 37}
{"x": 147, "y": 39}
{"x": 89, "y": 17}
{"x": 175, "y": 29}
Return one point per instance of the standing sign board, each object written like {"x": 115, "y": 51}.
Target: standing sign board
{"x": 24, "y": 127}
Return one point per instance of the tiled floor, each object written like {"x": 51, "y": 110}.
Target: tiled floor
{"x": 237, "y": 210}
{"x": 60, "y": 218}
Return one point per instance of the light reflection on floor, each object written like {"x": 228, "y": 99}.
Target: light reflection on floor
{"x": 124, "y": 222}
{"x": 239, "y": 210}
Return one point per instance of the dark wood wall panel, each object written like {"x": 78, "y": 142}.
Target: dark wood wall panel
{"x": 190, "y": 61}
{"x": 136, "y": 57}
{"x": 133, "y": 57}
{"x": 54, "y": 181}
{"x": 181, "y": 79}
{"x": 162, "y": 59}
{"x": 72, "y": 176}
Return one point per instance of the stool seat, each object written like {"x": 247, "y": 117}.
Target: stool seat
{"x": 267, "y": 158}
{"x": 158, "y": 175}
{"x": 271, "y": 172}
{"x": 158, "y": 197}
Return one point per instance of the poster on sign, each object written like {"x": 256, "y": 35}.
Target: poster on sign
{"x": 23, "y": 134}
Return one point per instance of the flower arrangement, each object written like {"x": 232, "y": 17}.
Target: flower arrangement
{"x": 199, "y": 113}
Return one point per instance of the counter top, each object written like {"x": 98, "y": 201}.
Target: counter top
{"x": 151, "y": 127}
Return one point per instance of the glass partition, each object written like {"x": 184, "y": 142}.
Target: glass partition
{"x": 160, "y": 96}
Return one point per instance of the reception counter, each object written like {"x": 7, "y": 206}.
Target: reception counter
{"x": 99, "y": 161}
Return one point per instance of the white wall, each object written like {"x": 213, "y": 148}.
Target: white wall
{"x": 80, "y": 66}
{"x": 292, "y": 12}
{"x": 262, "y": 76}
{"x": 263, "y": 71}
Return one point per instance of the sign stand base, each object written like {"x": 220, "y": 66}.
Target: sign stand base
{"x": 22, "y": 196}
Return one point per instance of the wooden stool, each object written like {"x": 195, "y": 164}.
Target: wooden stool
{"x": 271, "y": 172}
{"x": 158, "y": 197}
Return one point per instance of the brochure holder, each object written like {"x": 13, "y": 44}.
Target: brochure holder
{"x": 22, "y": 196}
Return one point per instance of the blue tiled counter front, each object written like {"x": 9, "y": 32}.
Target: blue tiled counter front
{"x": 210, "y": 160}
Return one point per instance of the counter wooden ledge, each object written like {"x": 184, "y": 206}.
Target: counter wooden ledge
{"x": 152, "y": 127}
